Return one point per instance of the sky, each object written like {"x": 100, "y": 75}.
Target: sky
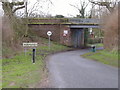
{"x": 58, "y": 7}
{"x": 1, "y": 11}
{"x": 63, "y": 7}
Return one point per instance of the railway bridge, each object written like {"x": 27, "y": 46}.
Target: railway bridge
{"x": 67, "y": 31}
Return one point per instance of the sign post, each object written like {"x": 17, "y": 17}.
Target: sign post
{"x": 33, "y": 50}
{"x": 25, "y": 50}
{"x": 49, "y": 33}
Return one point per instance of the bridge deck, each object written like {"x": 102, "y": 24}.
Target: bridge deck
{"x": 68, "y": 21}
{"x": 84, "y": 26}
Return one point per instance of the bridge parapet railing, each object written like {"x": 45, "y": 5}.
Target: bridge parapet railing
{"x": 84, "y": 21}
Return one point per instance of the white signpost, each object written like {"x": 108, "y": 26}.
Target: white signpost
{"x": 65, "y": 32}
{"x": 30, "y": 44}
{"x": 90, "y": 30}
{"x": 49, "y": 33}
{"x": 33, "y": 45}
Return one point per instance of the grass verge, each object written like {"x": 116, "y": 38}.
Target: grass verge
{"x": 103, "y": 56}
{"x": 97, "y": 45}
{"x": 19, "y": 72}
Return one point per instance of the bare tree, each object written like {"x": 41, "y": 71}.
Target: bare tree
{"x": 91, "y": 13}
{"x": 81, "y": 8}
{"x": 96, "y": 11}
{"x": 109, "y": 4}
{"x": 37, "y": 9}
{"x": 10, "y": 7}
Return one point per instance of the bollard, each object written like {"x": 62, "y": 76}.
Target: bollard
{"x": 33, "y": 58}
{"x": 93, "y": 48}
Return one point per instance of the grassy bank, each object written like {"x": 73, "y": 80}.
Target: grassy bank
{"x": 103, "y": 56}
{"x": 19, "y": 71}
{"x": 97, "y": 45}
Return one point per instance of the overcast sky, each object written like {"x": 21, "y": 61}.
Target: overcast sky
{"x": 60, "y": 7}
{"x": 63, "y": 7}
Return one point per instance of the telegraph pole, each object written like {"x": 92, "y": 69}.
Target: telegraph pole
{"x": 26, "y": 28}
{"x": 26, "y": 33}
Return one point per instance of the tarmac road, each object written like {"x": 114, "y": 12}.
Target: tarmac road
{"x": 70, "y": 70}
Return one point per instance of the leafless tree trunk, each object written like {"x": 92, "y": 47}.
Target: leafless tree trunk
{"x": 9, "y": 8}
{"x": 81, "y": 8}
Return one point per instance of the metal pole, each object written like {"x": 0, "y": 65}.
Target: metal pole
{"x": 25, "y": 50}
{"x": 49, "y": 42}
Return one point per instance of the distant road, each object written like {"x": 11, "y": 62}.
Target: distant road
{"x": 70, "y": 70}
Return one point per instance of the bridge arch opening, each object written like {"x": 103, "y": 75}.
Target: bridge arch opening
{"x": 77, "y": 37}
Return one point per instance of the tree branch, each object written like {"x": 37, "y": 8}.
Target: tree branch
{"x": 86, "y": 5}
{"x": 74, "y": 6}
{"x": 17, "y": 9}
{"x": 106, "y": 4}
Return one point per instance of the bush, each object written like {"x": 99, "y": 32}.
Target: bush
{"x": 93, "y": 41}
{"x": 110, "y": 28}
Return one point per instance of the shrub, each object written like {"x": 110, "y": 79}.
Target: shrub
{"x": 110, "y": 28}
{"x": 93, "y": 41}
